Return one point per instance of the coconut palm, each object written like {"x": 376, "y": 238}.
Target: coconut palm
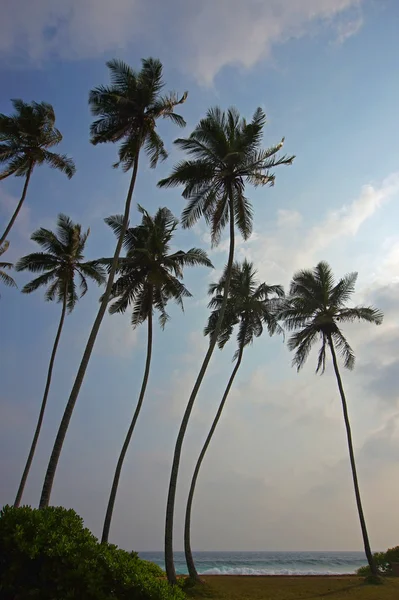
{"x": 316, "y": 308}
{"x": 5, "y": 277}
{"x": 250, "y": 306}
{"x": 25, "y": 139}
{"x": 149, "y": 277}
{"x": 224, "y": 154}
{"x": 60, "y": 263}
{"x": 127, "y": 111}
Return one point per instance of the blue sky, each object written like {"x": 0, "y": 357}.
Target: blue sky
{"x": 277, "y": 474}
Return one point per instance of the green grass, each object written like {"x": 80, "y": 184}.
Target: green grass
{"x": 293, "y": 588}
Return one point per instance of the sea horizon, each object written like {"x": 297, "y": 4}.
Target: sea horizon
{"x": 267, "y": 562}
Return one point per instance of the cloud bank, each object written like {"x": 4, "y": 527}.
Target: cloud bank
{"x": 200, "y": 37}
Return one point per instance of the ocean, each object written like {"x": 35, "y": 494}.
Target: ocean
{"x": 266, "y": 563}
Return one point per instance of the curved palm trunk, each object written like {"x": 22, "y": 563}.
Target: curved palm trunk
{"x": 366, "y": 542}
{"x": 170, "y": 507}
{"x": 43, "y": 406}
{"x": 19, "y": 205}
{"x": 115, "y": 483}
{"x": 187, "y": 524}
{"x": 59, "y": 440}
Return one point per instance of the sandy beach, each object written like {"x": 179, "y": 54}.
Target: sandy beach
{"x": 294, "y": 587}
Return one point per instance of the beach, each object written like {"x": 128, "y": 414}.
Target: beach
{"x": 304, "y": 587}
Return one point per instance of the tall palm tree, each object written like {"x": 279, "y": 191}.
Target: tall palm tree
{"x": 127, "y": 111}
{"x": 225, "y": 153}
{"x": 250, "y": 306}
{"x": 25, "y": 139}
{"x": 60, "y": 262}
{"x": 149, "y": 276}
{"x": 5, "y": 277}
{"x": 316, "y": 307}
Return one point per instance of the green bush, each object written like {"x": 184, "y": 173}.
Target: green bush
{"x": 49, "y": 555}
{"x": 153, "y": 568}
{"x": 383, "y": 561}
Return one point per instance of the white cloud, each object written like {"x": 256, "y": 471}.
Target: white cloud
{"x": 258, "y": 26}
{"x": 201, "y": 38}
{"x": 290, "y": 243}
{"x": 349, "y": 28}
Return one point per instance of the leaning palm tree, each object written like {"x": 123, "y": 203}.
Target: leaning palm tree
{"x": 5, "y": 277}
{"x": 250, "y": 306}
{"x": 225, "y": 153}
{"x": 127, "y": 111}
{"x": 25, "y": 139}
{"x": 149, "y": 276}
{"x": 316, "y": 307}
{"x": 60, "y": 263}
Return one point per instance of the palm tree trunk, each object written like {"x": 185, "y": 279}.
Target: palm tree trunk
{"x": 115, "y": 483}
{"x": 43, "y": 406}
{"x": 170, "y": 507}
{"x": 366, "y": 542}
{"x": 59, "y": 440}
{"x": 187, "y": 525}
{"x": 19, "y": 205}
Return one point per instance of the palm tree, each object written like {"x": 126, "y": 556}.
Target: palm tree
{"x": 25, "y": 139}
{"x": 5, "y": 277}
{"x": 60, "y": 263}
{"x": 316, "y": 307}
{"x": 149, "y": 277}
{"x": 250, "y": 307}
{"x": 225, "y": 154}
{"x": 127, "y": 112}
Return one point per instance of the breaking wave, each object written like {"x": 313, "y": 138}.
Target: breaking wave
{"x": 249, "y": 571}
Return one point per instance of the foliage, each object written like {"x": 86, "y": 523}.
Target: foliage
{"x": 153, "y": 568}
{"x": 49, "y": 555}
{"x": 226, "y": 153}
{"x": 129, "y": 108}
{"x": 150, "y": 274}
{"x": 248, "y": 304}
{"x": 5, "y": 277}
{"x": 25, "y": 138}
{"x": 383, "y": 561}
{"x": 316, "y": 306}
{"x": 61, "y": 262}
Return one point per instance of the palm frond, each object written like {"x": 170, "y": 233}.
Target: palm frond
{"x": 5, "y": 277}
{"x": 129, "y": 108}
{"x": 243, "y": 215}
{"x": 250, "y": 304}
{"x": 302, "y": 342}
{"x": 95, "y": 270}
{"x": 360, "y": 313}
{"x": 40, "y": 281}
{"x": 48, "y": 241}
{"x": 37, "y": 262}
{"x": 61, "y": 162}
{"x": 191, "y": 258}
{"x": 343, "y": 347}
{"x": 315, "y": 307}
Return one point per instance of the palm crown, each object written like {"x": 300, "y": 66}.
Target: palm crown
{"x": 129, "y": 108}
{"x": 60, "y": 262}
{"x": 4, "y": 277}
{"x": 25, "y": 138}
{"x": 226, "y": 153}
{"x": 248, "y": 304}
{"x": 150, "y": 275}
{"x": 316, "y": 306}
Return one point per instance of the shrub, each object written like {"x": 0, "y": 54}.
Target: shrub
{"x": 383, "y": 561}
{"x": 49, "y": 555}
{"x": 153, "y": 568}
